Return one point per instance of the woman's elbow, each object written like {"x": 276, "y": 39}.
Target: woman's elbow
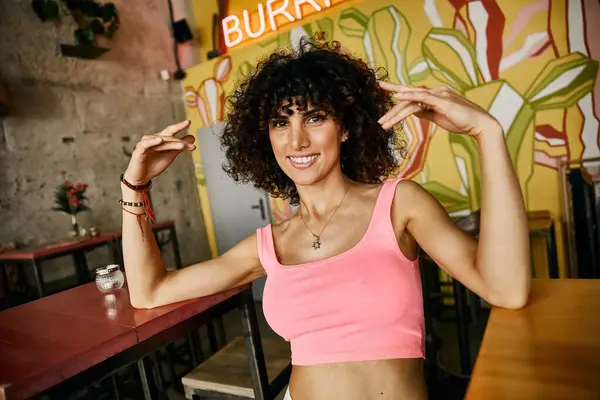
{"x": 513, "y": 301}
{"x": 142, "y": 302}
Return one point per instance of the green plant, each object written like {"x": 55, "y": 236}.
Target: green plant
{"x": 70, "y": 198}
{"x": 92, "y": 18}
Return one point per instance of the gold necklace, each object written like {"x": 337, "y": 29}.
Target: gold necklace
{"x": 317, "y": 242}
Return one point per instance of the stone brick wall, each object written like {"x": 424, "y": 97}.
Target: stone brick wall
{"x": 83, "y": 116}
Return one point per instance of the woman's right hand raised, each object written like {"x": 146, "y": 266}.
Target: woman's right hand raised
{"x": 154, "y": 153}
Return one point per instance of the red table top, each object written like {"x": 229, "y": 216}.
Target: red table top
{"x": 67, "y": 245}
{"x": 56, "y": 247}
{"x": 51, "y": 339}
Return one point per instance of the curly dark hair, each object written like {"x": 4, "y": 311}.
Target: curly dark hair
{"x": 324, "y": 75}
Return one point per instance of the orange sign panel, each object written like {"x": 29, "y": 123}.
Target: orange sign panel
{"x": 269, "y": 17}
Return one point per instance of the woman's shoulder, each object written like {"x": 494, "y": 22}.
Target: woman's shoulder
{"x": 410, "y": 196}
{"x": 405, "y": 186}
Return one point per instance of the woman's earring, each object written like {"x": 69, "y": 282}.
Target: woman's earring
{"x": 345, "y": 137}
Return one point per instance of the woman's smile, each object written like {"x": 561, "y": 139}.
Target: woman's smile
{"x": 303, "y": 161}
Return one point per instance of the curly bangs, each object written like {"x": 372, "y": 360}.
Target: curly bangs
{"x": 322, "y": 75}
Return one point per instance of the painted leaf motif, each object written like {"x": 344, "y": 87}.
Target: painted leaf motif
{"x": 194, "y": 100}
{"x": 563, "y": 82}
{"x": 525, "y": 160}
{"x": 353, "y": 22}
{"x": 294, "y": 35}
{"x": 452, "y": 200}
{"x": 325, "y": 25}
{"x": 222, "y": 69}
{"x": 281, "y": 40}
{"x": 415, "y": 138}
{"x": 418, "y": 70}
{"x": 213, "y": 95}
{"x": 516, "y": 117}
{"x": 298, "y": 33}
{"x": 532, "y": 46}
{"x": 590, "y": 137}
{"x": 487, "y": 21}
{"x": 307, "y": 29}
{"x": 465, "y": 149}
{"x": 451, "y": 58}
{"x": 523, "y": 19}
{"x": 388, "y": 46}
{"x": 245, "y": 69}
{"x": 432, "y": 13}
{"x": 550, "y": 145}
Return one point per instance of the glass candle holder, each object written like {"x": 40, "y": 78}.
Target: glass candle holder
{"x": 109, "y": 278}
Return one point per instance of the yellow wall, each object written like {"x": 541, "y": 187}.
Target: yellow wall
{"x": 533, "y": 73}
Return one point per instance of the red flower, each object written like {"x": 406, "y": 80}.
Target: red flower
{"x": 85, "y": 186}
{"x": 62, "y": 172}
{"x": 68, "y": 183}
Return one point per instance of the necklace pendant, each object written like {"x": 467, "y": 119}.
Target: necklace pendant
{"x": 317, "y": 243}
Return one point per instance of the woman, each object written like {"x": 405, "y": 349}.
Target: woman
{"x": 316, "y": 126}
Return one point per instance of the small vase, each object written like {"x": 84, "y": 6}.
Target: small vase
{"x": 75, "y": 226}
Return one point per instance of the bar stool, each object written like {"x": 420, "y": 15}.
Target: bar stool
{"x": 433, "y": 301}
{"x": 226, "y": 374}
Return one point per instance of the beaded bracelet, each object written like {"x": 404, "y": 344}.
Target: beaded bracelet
{"x": 137, "y": 188}
{"x": 148, "y": 213}
{"x": 131, "y": 204}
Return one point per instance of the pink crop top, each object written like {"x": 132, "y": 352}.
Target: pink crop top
{"x": 363, "y": 304}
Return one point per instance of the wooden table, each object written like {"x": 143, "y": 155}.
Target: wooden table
{"x": 34, "y": 256}
{"x": 547, "y": 350}
{"x": 79, "y": 336}
{"x": 77, "y": 247}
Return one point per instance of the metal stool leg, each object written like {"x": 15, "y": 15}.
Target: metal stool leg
{"x": 221, "y": 330}
{"x": 4, "y": 286}
{"x": 552, "y": 253}
{"x": 39, "y": 278}
{"x": 158, "y": 377}
{"x": 461, "y": 324}
{"x": 146, "y": 380}
{"x": 115, "y": 385}
{"x": 256, "y": 358}
{"x": 212, "y": 337}
{"x": 81, "y": 267}
{"x": 195, "y": 348}
{"x": 169, "y": 351}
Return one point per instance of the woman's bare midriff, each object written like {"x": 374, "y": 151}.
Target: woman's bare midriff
{"x": 395, "y": 379}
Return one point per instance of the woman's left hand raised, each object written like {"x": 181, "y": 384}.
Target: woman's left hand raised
{"x": 442, "y": 106}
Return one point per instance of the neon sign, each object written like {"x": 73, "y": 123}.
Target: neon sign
{"x": 269, "y": 18}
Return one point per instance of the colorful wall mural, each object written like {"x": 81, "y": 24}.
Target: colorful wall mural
{"x": 531, "y": 63}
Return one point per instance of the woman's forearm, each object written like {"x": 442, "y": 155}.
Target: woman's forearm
{"x": 144, "y": 265}
{"x": 503, "y": 254}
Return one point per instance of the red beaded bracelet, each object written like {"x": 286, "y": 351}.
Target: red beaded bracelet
{"x": 143, "y": 190}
